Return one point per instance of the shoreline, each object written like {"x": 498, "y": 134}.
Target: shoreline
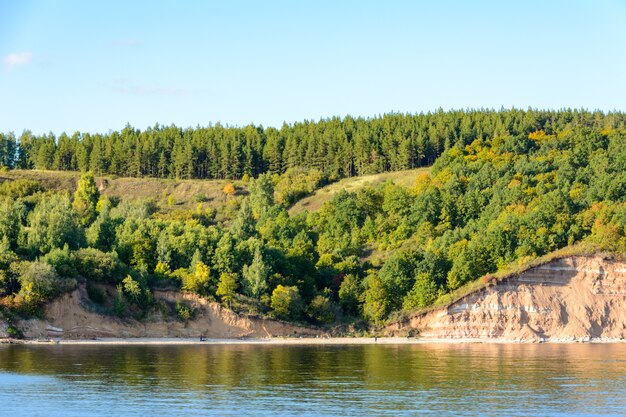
{"x": 293, "y": 341}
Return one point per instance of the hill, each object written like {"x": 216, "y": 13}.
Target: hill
{"x": 509, "y": 189}
{"x": 320, "y": 196}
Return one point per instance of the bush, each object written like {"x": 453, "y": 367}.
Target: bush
{"x": 20, "y": 188}
{"x": 184, "y": 311}
{"x": 198, "y": 281}
{"x": 95, "y": 294}
{"x": 63, "y": 261}
{"x": 320, "y": 309}
{"x": 286, "y": 302}
{"x": 119, "y": 304}
{"x": 200, "y": 198}
{"x": 99, "y": 266}
{"x": 39, "y": 282}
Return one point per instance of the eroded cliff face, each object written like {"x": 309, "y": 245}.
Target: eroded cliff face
{"x": 70, "y": 317}
{"x": 4, "y": 327}
{"x": 570, "y": 299}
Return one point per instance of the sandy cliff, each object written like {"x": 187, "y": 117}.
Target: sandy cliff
{"x": 575, "y": 298}
{"x": 70, "y": 317}
{"x": 4, "y": 326}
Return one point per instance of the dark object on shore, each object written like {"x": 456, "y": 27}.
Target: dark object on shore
{"x": 202, "y": 339}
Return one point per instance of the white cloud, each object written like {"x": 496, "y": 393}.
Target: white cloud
{"x": 17, "y": 59}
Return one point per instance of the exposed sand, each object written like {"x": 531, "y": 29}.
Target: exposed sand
{"x": 281, "y": 341}
{"x": 574, "y": 299}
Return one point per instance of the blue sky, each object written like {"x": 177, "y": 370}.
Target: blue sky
{"x": 94, "y": 66}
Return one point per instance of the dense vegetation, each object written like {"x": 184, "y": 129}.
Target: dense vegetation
{"x": 335, "y": 147}
{"x": 511, "y": 186}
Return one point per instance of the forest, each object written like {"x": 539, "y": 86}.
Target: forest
{"x": 504, "y": 188}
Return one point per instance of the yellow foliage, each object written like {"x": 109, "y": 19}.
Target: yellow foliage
{"x": 229, "y": 189}
{"x": 442, "y": 178}
{"x": 577, "y": 192}
{"x": 514, "y": 183}
{"x": 537, "y": 135}
{"x": 422, "y": 182}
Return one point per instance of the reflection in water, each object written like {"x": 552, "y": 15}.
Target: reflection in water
{"x": 394, "y": 380}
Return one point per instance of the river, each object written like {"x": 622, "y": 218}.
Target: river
{"x": 357, "y": 380}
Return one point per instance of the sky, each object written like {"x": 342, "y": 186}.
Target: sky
{"x": 94, "y": 66}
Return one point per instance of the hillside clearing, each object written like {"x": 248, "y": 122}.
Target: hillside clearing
{"x": 319, "y": 197}
{"x": 185, "y": 194}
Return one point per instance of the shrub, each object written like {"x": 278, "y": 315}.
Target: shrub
{"x": 227, "y": 288}
{"x": 200, "y": 198}
{"x": 95, "y": 294}
{"x": 184, "y": 311}
{"x": 286, "y": 302}
{"x": 320, "y": 309}
{"x": 119, "y": 304}
{"x": 40, "y": 282}
{"x": 229, "y": 189}
{"x": 63, "y": 261}
{"x": 96, "y": 265}
{"x": 198, "y": 281}
{"x": 20, "y": 188}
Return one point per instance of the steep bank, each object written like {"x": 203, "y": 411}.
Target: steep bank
{"x": 4, "y": 327}
{"x": 574, "y": 298}
{"x": 71, "y": 317}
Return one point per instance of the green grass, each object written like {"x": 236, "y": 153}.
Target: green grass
{"x": 319, "y": 197}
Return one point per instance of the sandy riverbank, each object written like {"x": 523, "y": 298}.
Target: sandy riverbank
{"x": 294, "y": 341}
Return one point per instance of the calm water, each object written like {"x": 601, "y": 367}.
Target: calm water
{"x": 403, "y": 380}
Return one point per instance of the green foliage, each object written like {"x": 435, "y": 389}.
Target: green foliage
{"x": 53, "y": 224}
{"x": 184, "y": 311}
{"x": 101, "y": 234}
{"x": 63, "y": 261}
{"x": 12, "y": 214}
{"x": 320, "y": 310}
{"x": 505, "y": 186}
{"x": 9, "y": 269}
{"x": 261, "y": 195}
{"x": 19, "y": 188}
{"x": 132, "y": 289}
{"x": 255, "y": 275}
{"x": 86, "y": 198}
{"x": 350, "y": 294}
{"x": 227, "y": 288}
{"x": 296, "y": 183}
{"x": 377, "y": 300}
{"x": 423, "y": 293}
{"x": 198, "y": 280}
{"x": 225, "y": 253}
{"x": 119, "y": 303}
{"x": 286, "y": 302}
{"x": 98, "y": 266}
{"x": 39, "y": 282}
{"x": 95, "y": 293}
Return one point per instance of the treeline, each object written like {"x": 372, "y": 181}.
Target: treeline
{"x": 335, "y": 147}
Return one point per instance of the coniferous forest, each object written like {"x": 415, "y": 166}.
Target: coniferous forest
{"x": 502, "y": 188}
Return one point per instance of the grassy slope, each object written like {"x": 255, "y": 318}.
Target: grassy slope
{"x": 183, "y": 192}
{"x": 324, "y": 194}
